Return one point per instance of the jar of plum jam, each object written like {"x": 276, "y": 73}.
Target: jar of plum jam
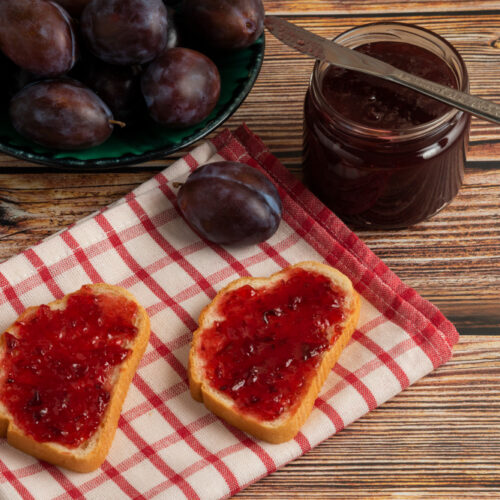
{"x": 378, "y": 154}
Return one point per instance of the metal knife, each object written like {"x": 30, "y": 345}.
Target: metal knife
{"x": 313, "y": 45}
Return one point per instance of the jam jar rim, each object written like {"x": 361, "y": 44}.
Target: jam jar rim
{"x": 407, "y": 133}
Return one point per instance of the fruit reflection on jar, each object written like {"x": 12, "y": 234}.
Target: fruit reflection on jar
{"x": 378, "y": 154}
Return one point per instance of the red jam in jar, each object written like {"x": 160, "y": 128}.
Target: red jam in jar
{"x": 269, "y": 344}
{"x": 58, "y": 367}
{"x": 379, "y": 154}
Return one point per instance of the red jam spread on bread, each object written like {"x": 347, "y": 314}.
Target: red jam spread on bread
{"x": 57, "y": 368}
{"x": 270, "y": 341}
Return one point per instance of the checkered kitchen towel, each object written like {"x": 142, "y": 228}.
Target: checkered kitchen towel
{"x": 168, "y": 445}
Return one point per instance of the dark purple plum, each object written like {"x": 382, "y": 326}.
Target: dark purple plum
{"x": 230, "y": 203}
{"x": 119, "y": 87}
{"x": 181, "y": 87}
{"x": 61, "y": 114}
{"x": 74, "y": 7}
{"x": 38, "y": 36}
{"x": 225, "y": 24}
{"x": 125, "y": 32}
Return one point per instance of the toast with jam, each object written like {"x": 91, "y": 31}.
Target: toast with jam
{"x": 65, "y": 369}
{"x": 265, "y": 346}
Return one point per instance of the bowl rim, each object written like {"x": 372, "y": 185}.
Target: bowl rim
{"x": 133, "y": 159}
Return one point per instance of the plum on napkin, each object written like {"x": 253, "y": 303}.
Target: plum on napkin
{"x": 168, "y": 445}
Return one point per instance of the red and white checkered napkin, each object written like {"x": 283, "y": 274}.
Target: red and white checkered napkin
{"x": 168, "y": 445}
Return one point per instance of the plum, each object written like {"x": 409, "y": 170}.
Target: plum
{"x": 119, "y": 87}
{"x": 181, "y": 87}
{"x": 125, "y": 32}
{"x": 230, "y": 203}
{"x": 61, "y": 114}
{"x": 38, "y": 36}
{"x": 225, "y": 24}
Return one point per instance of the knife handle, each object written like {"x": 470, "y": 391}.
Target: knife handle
{"x": 466, "y": 102}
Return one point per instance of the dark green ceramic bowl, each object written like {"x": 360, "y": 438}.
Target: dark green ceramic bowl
{"x": 148, "y": 140}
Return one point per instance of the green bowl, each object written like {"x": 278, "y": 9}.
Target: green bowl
{"x": 148, "y": 140}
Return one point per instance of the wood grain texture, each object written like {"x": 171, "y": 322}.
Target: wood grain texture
{"x": 441, "y": 437}
{"x": 274, "y": 107}
{"x": 474, "y": 36}
{"x": 35, "y": 206}
{"x": 452, "y": 259}
{"x": 438, "y": 439}
{"x": 354, "y": 7}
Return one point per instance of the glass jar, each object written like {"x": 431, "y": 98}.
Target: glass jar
{"x": 385, "y": 177}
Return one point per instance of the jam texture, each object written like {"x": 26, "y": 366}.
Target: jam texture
{"x": 374, "y": 102}
{"x": 269, "y": 343}
{"x": 406, "y": 167}
{"x": 57, "y": 368}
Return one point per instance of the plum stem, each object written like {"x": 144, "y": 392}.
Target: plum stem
{"x": 118, "y": 122}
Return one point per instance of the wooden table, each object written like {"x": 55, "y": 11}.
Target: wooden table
{"x": 441, "y": 437}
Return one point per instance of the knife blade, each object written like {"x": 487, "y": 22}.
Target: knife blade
{"x": 326, "y": 50}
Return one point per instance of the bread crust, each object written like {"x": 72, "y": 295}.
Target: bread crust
{"x": 90, "y": 455}
{"x": 287, "y": 425}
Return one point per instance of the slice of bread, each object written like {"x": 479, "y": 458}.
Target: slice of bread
{"x": 90, "y": 454}
{"x": 285, "y": 426}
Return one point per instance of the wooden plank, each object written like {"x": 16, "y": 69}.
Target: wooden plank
{"x": 280, "y": 94}
{"x": 33, "y": 207}
{"x": 454, "y": 256}
{"x": 353, "y": 7}
{"x": 441, "y": 437}
{"x": 274, "y": 107}
{"x": 452, "y": 259}
{"x": 438, "y": 439}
